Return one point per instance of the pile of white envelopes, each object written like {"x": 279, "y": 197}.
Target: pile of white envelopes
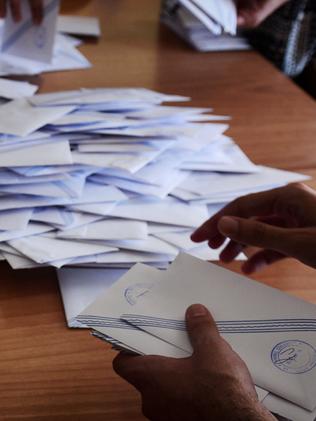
{"x": 111, "y": 177}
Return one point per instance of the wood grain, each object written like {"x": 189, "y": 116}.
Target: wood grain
{"x": 48, "y": 372}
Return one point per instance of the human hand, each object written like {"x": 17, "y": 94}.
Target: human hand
{"x": 252, "y": 12}
{"x": 213, "y": 384}
{"x": 281, "y": 222}
{"x": 15, "y": 7}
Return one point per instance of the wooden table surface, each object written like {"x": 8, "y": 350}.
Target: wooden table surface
{"x": 48, "y": 372}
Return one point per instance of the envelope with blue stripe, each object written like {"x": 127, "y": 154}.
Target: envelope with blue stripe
{"x": 274, "y": 333}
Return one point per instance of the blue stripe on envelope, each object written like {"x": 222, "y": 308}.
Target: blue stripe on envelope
{"x": 227, "y": 327}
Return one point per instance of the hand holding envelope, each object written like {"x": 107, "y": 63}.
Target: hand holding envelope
{"x": 272, "y": 332}
{"x": 214, "y": 383}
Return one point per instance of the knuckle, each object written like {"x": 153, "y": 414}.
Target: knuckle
{"x": 298, "y": 186}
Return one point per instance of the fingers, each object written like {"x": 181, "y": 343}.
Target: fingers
{"x": 140, "y": 370}
{"x": 254, "y": 233}
{"x": 3, "y": 8}
{"x": 37, "y": 11}
{"x": 202, "y": 331}
{"x": 15, "y": 7}
{"x": 260, "y": 260}
{"x": 295, "y": 202}
{"x": 231, "y": 251}
{"x": 298, "y": 243}
{"x": 129, "y": 368}
{"x": 258, "y": 204}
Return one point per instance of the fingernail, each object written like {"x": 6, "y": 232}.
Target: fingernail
{"x": 228, "y": 226}
{"x": 196, "y": 310}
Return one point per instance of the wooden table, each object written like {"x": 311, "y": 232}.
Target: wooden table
{"x": 48, "y": 372}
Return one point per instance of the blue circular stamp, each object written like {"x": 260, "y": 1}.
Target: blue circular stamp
{"x": 133, "y": 292}
{"x": 294, "y": 356}
{"x": 40, "y": 37}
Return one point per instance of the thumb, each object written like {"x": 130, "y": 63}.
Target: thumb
{"x": 202, "y": 330}
{"x": 258, "y": 234}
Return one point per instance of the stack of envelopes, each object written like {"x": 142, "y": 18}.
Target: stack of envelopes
{"x": 111, "y": 177}
{"x": 208, "y": 25}
{"x": 273, "y": 332}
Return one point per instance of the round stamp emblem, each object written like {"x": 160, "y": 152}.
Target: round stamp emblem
{"x": 133, "y": 292}
{"x": 294, "y": 356}
{"x": 40, "y": 37}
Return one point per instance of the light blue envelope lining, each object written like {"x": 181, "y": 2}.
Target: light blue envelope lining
{"x": 7, "y": 44}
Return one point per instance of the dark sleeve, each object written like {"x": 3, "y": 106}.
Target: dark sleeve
{"x": 288, "y": 36}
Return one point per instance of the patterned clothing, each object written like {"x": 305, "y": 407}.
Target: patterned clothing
{"x": 288, "y": 36}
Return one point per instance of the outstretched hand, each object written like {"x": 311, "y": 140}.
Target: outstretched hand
{"x": 280, "y": 222}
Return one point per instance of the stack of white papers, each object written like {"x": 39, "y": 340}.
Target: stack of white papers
{"x": 208, "y": 25}
{"x": 107, "y": 178}
{"x": 272, "y": 332}
{"x": 28, "y": 49}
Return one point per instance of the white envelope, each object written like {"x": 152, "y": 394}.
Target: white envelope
{"x": 169, "y": 112}
{"x": 55, "y": 216}
{"x": 287, "y": 409}
{"x": 80, "y": 287}
{"x": 221, "y": 184}
{"x": 20, "y": 118}
{"x": 108, "y": 229}
{"x": 79, "y": 25}
{"x": 131, "y": 257}
{"x": 99, "y": 209}
{"x": 93, "y": 193}
{"x": 72, "y": 187}
{"x": 44, "y": 249}
{"x": 224, "y": 13}
{"x": 123, "y": 96}
{"x": 15, "y": 219}
{"x": 50, "y": 153}
{"x": 125, "y": 161}
{"x": 168, "y": 211}
{"x": 149, "y": 245}
{"x": 25, "y": 39}
{"x": 273, "y": 332}
{"x": 32, "y": 228}
{"x": 110, "y": 324}
{"x": 13, "y": 89}
{"x": 161, "y": 191}
{"x": 65, "y": 57}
